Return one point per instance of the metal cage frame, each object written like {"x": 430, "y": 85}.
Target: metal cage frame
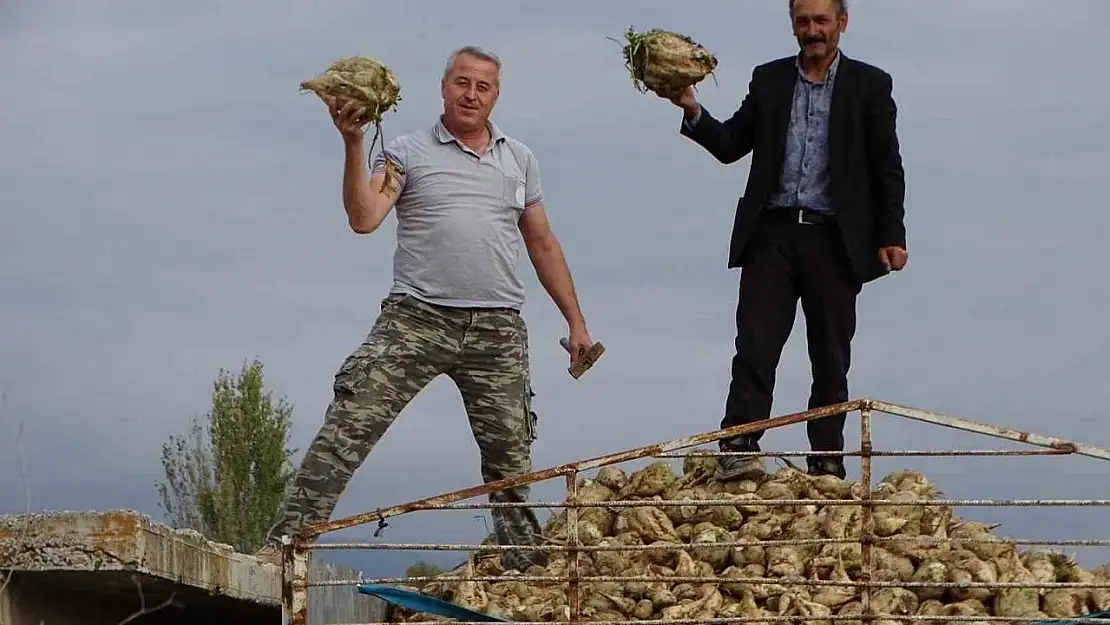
{"x": 295, "y": 551}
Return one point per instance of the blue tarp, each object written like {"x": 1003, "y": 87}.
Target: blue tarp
{"x": 1075, "y": 621}
{"x": 423, "y": 603}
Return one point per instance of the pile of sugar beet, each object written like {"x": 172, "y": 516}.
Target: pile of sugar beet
{"x": 907, "y": 550}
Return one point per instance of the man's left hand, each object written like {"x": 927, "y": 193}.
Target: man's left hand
{"x": 893, "y": 258}
{"x": 579, "y": 342}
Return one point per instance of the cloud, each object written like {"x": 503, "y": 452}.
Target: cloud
{"x": 172, "y": 206}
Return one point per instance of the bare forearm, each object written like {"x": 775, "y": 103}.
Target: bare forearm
{"x": 554, "y": 275}
{"x": 363, "y": 199}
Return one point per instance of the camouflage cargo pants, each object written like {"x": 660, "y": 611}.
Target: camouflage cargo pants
{"x": 485, "y": 352}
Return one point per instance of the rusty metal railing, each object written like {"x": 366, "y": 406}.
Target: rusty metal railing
{"x": 296, "y": 549}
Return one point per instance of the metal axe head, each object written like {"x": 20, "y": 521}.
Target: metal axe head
{"x": 585, "y": 361}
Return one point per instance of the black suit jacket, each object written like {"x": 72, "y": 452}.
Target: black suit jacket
{"x": 866, "y": 180}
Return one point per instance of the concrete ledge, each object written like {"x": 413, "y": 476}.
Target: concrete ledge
{"x": 127, "y": 542}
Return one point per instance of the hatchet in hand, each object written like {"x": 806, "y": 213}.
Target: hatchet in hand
{"x": 585, "y": 360}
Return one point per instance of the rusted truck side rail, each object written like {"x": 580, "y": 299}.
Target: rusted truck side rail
{"x": 296, "y": 548}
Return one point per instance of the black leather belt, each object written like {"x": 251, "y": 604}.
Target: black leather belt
{"x": 801, "y": 215}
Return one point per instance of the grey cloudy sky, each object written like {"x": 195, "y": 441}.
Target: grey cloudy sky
{"x": 171, "y": 206}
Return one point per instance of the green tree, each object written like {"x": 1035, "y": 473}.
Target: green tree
{"x": 229, "y": 476}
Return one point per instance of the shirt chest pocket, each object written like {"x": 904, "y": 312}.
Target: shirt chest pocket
{"x": 513, "y": 191}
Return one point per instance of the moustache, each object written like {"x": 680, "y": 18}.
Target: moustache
{"x": 813, "y": 40}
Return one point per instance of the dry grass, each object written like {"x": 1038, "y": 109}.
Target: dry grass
{"x": 6, "y": 576}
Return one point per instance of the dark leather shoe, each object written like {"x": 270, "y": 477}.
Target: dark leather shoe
{"x": 827, "y": 465}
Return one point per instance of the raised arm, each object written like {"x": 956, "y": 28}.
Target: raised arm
{"x": 728, "y": 141}
{"x": 363, "y": 199}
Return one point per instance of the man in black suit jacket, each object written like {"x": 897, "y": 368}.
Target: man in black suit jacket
{"x": 822, "y": 215}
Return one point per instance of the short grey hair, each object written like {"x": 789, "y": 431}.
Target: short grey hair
{"x": 841, "y": 5}
{"x": 475, "y": 51}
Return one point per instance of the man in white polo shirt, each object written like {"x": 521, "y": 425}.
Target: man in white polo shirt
{"x": 466, "y": 195}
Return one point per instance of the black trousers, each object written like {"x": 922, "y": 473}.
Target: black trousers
{"x": 785, "y": 262}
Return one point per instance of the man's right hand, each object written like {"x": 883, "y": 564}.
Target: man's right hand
{"x": 347, "y": 117}
{"x": 683, "y": 99}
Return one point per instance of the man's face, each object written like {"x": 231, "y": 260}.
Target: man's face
{"x": 817, "y": 27}
{"x": 469, "y": 91}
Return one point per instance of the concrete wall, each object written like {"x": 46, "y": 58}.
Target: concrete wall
{"x": 101, "y": 568}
